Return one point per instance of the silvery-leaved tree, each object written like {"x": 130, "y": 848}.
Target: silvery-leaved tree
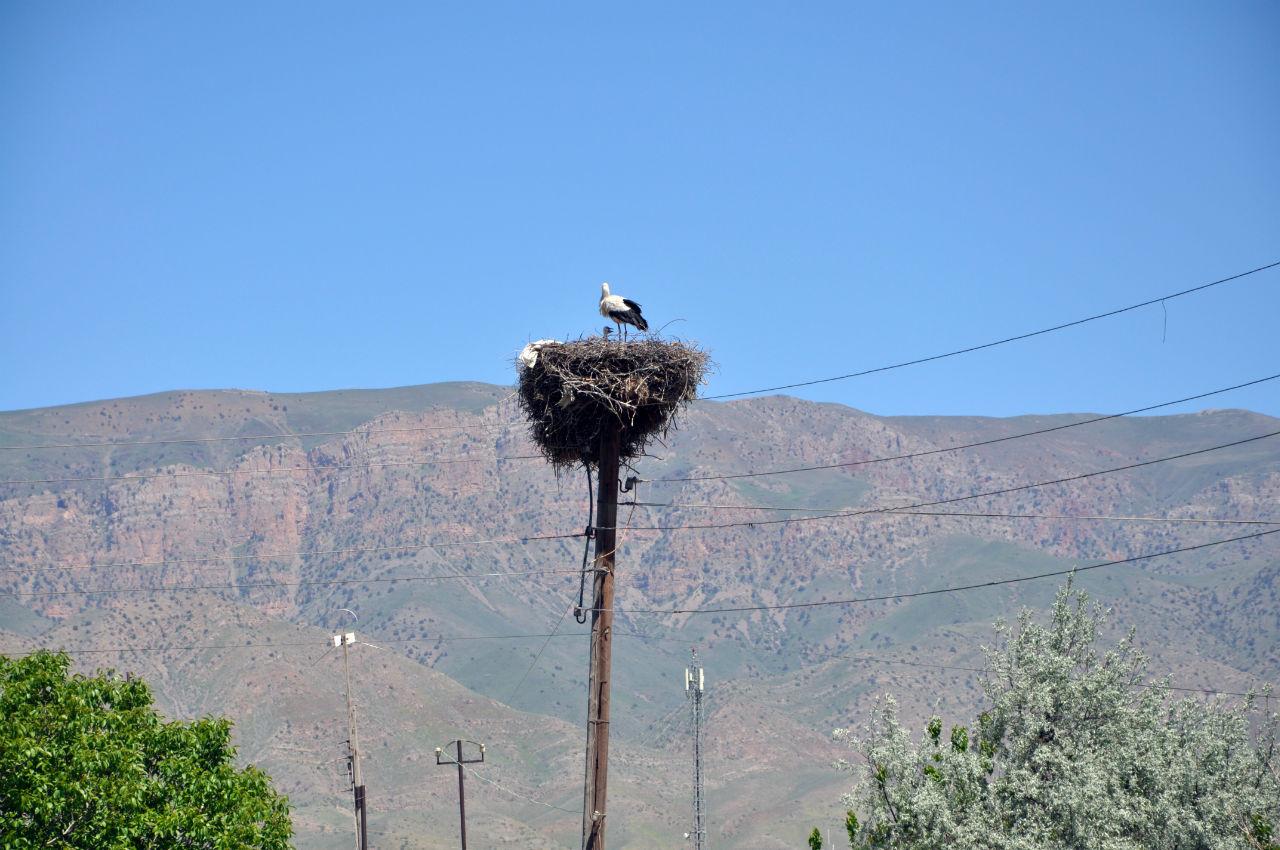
{"x": 1076, "y": 750}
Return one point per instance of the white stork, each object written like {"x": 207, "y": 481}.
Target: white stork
{"x": 621, "y": 311}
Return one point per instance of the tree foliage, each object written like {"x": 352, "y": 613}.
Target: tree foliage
{"x": 1075, "y": 751}
{"x": 88, "y": 764}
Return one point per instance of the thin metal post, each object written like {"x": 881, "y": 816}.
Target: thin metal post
{"x": 353, "y": 746}
{"x": 693, "y": 684}
{"x": 462, "y": 798}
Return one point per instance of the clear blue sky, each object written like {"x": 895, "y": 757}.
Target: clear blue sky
{"x": 308, "y": 196}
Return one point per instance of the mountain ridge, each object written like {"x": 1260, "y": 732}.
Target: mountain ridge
{"x": 426, "y": 510}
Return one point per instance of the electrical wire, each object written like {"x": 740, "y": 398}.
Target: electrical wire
{"x": 962, "y": 514}
{"x": 352, "y": 550}
{"x": 654, "y": 733}
{"x": 937, "y": 591}
{"x": 872, "y": 660}
{"x": 978, "y": 444}
{"x": 1004, "y": 341}
{"x": 637, "y": 503}
{"x": 536, "y": 658}
{"x": 275, "y": 584}
{"x": 504, "y": 789}
{"x": 770, "y": 389}
{"x": 838, "y": 514}
{"x": 900, "y": 508}
{"x": 1084, "y": 517}
{"x": 633, "y": 504}
{"x": 307, "y": 643}
{"x": 253, "y": 437}
{"x": 278, "y": 470}
{"x": 674, "y": 479}
{"x": 869, "y": 659}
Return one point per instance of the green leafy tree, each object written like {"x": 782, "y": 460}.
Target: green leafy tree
{"x": 815, "y": 840}
{"x": 87, "y": 763}
{"x": 1077, "y": 750}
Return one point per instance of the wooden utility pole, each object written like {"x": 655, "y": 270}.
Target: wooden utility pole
{"x": 593, "y": 808}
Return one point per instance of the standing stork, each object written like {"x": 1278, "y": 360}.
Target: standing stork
{"x": 621, "y": 311}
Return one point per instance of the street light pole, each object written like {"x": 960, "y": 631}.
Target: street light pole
{"x": 353, "y": 747}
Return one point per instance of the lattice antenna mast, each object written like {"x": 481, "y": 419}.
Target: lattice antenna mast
{"x": 693, "y": 686}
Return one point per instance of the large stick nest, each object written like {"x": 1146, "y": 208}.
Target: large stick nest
{"x": 574, "y": 387}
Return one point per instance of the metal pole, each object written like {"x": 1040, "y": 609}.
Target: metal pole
{"x": 460, "y": 761}
{"x": 351, "y": 711}
{"x": 353, "y": 744}
{"x": 593, "y": 809}
{"x": 462, "y": 799}
{"x": 693, "y": 683}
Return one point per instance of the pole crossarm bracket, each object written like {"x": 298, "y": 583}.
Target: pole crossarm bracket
{"x": 441, "y": 759}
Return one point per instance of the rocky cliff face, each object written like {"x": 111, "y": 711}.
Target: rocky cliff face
{"x": 141, "y": 528}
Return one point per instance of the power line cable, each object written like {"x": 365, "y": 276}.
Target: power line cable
{"x": 352, "y": 550}
{"x": 654, "y": 733}
{"x": 978, "y": 444}
{"x": 902, "y": 509}
{"x": 84, "y": 650}
{"x": 307, "y": 643}
{"x": 255, "y": 437}
{"x": 872, "y": 660}
{"x": 899, "y": 508}
{"x": 278, "y": 470}
{"x": 1004, "y": 341}
{"x": 1084, "y": 517}
{"x": 963, "y": 514}
{"x": 840, "y": 465}
{"x": 517, "y": 794}
{"x": 937, "y": 591}
{"x": 633, "y": 504}
{"x": 538, "y": 656}
{"x": 276, "y": 584}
